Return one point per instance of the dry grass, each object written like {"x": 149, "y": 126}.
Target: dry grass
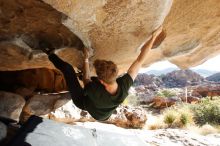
{"x": 154, "y": 122}
{"x": 205, "y": 129}
{"x": 159, "y": 124}
{"x": 174, "y": 117}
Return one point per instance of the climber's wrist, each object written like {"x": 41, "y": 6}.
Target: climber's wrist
{"x": 86, "y": 60}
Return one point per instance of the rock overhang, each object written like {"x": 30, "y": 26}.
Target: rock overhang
{"x": 115, "y": 30}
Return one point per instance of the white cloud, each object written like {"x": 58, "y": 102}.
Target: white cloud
{"x": 211, "y": 64}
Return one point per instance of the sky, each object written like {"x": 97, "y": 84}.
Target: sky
{"x": 212, "y": 64}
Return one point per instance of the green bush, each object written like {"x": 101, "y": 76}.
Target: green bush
{"x": 166, "y": 93}
{"x": 169, "y": 117}
{"x": 186, "y": 118}
{"x": 178, "y": 117}
{"x": 207, "y": 111}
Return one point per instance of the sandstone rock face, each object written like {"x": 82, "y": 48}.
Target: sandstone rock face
{"x": 41, "y": 105}
{"x": 98, "y": 134}
{"x": 192, "y": 28}
{"x": 23, "y": 25}
{"x": 100, "y": 25}
{"x": 67, "y": 113}
{"x": 40, "y": 79}
{"x": 114, "y": 29}
{"x": 11, "y": 105}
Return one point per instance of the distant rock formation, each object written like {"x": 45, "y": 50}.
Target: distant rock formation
{"x": 181, "y": 78}
{"x": 174, "y": 79}
{"x": 214, "y": 78}
{"x": 207, "y": 90}
{"x": 149, "y": 80}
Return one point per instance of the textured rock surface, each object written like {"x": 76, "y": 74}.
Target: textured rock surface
{"x": 127, "y": 117}
{"x": 41, "y": 105}
{"x": 23, "y": 24}
{"x": 11, "y": 105}
{"x": 98, "y": 134}
{"x": 114, "y": 29}
{"x": 40, "y": 79}
{"x": 100, "y": 24}
{"x": 180, "y": 137}
{"x": 193, "y": 33}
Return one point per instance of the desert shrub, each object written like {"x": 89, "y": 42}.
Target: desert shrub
{"x": 169, "y": 117}
{"x": 178, "y": 117}
{"x": 186, "y": 117}
{"x": 207, "y": 111}
{"x": 157, "y": 125}
{"x": 166, "y": 93}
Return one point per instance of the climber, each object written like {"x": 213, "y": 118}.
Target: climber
{"x": 101, "y": 95}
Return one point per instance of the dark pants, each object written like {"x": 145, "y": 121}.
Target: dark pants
{"x": 76, "y": 91}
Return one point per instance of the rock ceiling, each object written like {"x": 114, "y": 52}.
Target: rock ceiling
{"x": 113, "y": 29}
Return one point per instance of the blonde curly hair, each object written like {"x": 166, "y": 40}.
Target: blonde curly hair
{"x": 106, "y": 71}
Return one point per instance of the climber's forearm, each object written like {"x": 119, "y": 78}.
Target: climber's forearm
{"x": 145, "y": 49}
{"x": 86, "y": 72}
{"x": 136, "y": 65}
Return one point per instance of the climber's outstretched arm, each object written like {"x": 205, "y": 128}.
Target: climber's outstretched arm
{"x": 136, "y": 65}
{"x": 86, "y": 70}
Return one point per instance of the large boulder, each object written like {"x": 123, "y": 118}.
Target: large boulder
{"x": 99, "y": 24}
{"x": 124, "y": 116}
{"x": 11, "y": 105}
{"x": 191, "y": 26}
{"x": 115, "y": 30}
{"x": 47, "y": 132}
{"x": 192, "y": 34}
{"x": 41, "y": 105}
{"x": 23, "y": 25}
{"x": 25, "y": 82}
{"x": 128, "y": 117}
